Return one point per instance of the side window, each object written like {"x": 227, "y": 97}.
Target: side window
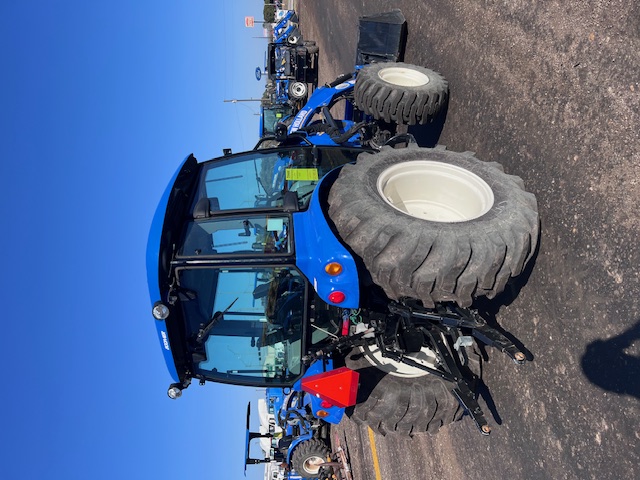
{"x": 272, "y": 237}
{"x": 252, "y": 234}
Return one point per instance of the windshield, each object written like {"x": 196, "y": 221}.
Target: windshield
{"x": 258, "y": 340}
{"x": 258, "y": 179}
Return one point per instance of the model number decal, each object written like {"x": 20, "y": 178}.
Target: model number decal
{"x": 165, "y": 340}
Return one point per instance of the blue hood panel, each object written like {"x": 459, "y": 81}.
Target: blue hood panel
{"x": 153, "y": 268}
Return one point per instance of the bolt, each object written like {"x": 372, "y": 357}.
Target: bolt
{"x": 519, "y": 356}
{"x": 486, "y": 429}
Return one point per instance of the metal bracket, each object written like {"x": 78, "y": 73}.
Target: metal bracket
{"x": 492, "y": 337}
{"x": 437, "y": 325}
{"x": 443, "y": 328}
{"x": 462, "y": 391}
{"x": 464, "y": 318}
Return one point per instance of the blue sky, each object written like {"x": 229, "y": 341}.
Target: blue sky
{"x": 100, "y": 101}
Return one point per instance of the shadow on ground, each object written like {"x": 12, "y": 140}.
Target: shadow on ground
{"x": 614, "y": 364}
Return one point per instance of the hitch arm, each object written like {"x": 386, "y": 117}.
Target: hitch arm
{"x": 436, "y": 326}
{"x": 461, "y": 391}
{"x": 452, "y": 374}
{"x": 492, "y": 337}
{"x": 464, "y": 319}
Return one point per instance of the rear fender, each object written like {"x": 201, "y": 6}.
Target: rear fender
{"x": 316, "y": 245}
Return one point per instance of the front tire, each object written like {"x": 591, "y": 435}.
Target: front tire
{"x": 435, "y": 225}
{"x": 308, "y": 456}
{"x": 400, "y": 92}
{"x": 293, "y": 39}
{"x": 298, "y": 90}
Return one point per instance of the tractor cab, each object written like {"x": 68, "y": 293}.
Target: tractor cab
{"x": 234, "y": 293}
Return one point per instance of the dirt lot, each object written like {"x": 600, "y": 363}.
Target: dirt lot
{"x": 550, "y": 90}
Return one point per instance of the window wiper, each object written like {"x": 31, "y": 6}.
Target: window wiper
{"x": 258, "y": 180}
{"x": 203, "y": 333}
{"x": 231, "y": 372}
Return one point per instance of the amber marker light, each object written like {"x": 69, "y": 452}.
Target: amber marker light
{"x": 322, "y": 414}
{"x": 333, "y": 269}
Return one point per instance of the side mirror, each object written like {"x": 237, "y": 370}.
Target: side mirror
{"x": 281, "y": 132}
{"x": 205, "y": 207}
{"x": 290, "y": 202}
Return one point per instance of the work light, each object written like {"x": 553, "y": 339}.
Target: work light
{"x": 160, "y": 311}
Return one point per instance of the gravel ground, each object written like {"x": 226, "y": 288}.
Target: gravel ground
{"x": 550, "y": 90}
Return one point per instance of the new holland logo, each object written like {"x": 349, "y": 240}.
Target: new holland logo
{"x": 300, "y": 118}
{"x": 165, "y": 340}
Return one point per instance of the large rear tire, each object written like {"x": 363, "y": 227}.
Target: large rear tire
{"x": 400, "y": 92}
{"x": 402, "y": 402}
{"x": 435, "y": 225}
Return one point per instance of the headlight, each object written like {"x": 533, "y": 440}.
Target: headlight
{"x": 174, "y": 392}
{"x": 160, "y": 311}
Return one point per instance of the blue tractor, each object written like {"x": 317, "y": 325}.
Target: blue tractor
{"x": 291, "y": 65}
{"x": 287, "y": 29}
{"x": 293, "y": 74}
{"x": 346, "y": 248}
{"x": 295, "y": 436}
{"x": 292, "y": 69}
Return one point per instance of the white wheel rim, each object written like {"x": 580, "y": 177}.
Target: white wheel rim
{"x": 298, "y": 89}
{"x": 435, "y": 191}
{"x": 425, "y": 357}
{"x": 405, "y": 77}
{"x": 312, "y": 464}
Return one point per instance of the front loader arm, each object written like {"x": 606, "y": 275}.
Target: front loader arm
{"x": 325, "y": 97}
